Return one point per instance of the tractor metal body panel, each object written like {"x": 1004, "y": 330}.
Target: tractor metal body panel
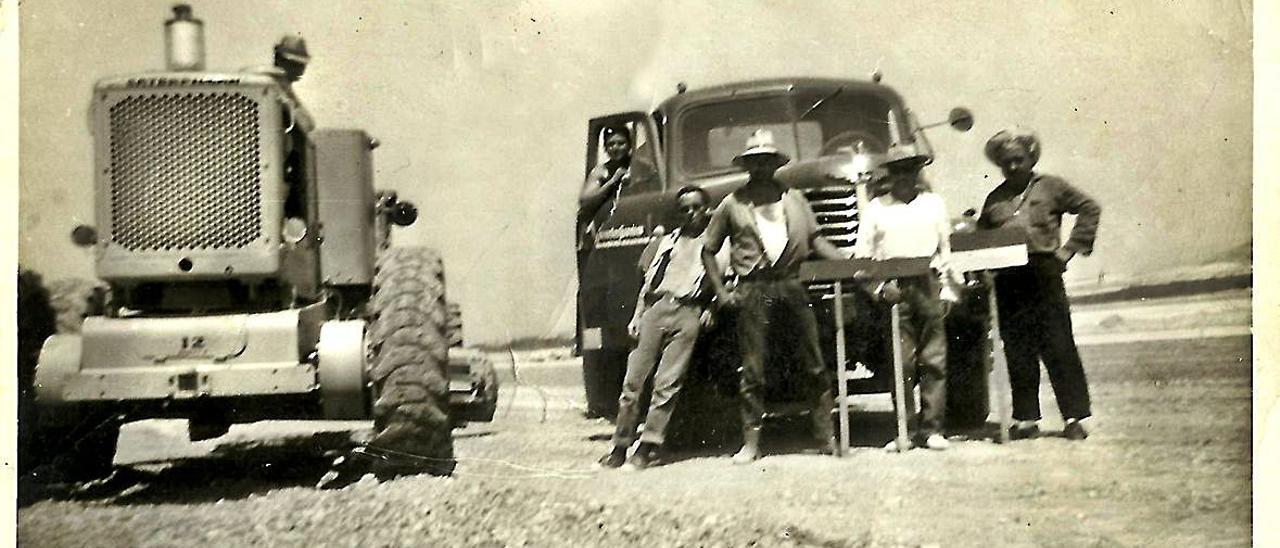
{"x": 346, "y": 205}
{"x": 190, "y": 357}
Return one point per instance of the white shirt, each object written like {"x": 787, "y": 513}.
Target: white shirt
{"x": 771, "y": 222}
{"x": 684, "y": 272}
{"x": 890, "y": 229}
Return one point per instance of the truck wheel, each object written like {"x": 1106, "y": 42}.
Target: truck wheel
{"x": 602, "y": 374}
{"x": 409, "y": 354}
{"x": 968, "y": 361}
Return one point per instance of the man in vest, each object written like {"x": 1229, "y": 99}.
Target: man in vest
{"x": 771, "y": 230}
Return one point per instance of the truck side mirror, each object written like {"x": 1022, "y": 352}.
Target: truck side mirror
{"x": 961, "y": 119}
{"x": 84, "y": 235}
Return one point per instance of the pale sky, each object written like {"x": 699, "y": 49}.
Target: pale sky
{"x": 482, "y": 111}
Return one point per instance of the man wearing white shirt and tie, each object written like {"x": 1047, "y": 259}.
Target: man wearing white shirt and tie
{"x": 670, "y": 311}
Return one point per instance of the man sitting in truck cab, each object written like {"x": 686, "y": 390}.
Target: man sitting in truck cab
{"x": 771, "y": 230}
{"x": 606, "y": 182}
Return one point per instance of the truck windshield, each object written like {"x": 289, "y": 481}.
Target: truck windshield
{"x": 713, "y": 134}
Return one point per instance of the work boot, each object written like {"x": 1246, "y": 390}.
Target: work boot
{"x": 645, "y": 456}
{"x": 613, "y": 458}
{"x": 750, "y": 451}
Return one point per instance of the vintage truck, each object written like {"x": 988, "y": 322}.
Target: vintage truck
{"x": 830, "y": 128}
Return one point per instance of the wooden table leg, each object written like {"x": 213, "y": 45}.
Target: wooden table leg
{"x": 899, "y": 384}
{"x": 842, "y": 378}
{"x": 998, "y": 392}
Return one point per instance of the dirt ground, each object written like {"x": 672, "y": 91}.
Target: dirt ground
{"x": 1167, "y": 464}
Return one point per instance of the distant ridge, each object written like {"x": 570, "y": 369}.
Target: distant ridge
{"x": 1207, "y": 278}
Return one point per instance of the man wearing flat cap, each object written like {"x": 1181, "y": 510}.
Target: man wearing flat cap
{"x": 1035, "y": 317}
{"x": 771, "y": 230}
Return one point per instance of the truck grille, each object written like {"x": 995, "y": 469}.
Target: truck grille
{"x": 836, "y": 208}
{"x": 184, "y": 171}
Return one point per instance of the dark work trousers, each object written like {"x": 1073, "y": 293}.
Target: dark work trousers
{"x": 668, "y": 330}
{"x": 1035, "y": 323}
{"x": 924, "y": 349}
{"x": 761, "y": 303}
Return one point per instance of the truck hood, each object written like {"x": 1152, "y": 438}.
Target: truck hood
{"x": 818, "y": 172}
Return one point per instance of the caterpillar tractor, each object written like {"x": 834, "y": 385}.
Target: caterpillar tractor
{"x": 251, "y": 277}
{"x": 836, "y": 131}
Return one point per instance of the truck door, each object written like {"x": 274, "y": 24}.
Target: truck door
{"x": 610, "y": 240}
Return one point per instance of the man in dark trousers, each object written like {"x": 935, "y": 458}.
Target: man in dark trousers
{"x": 771, "y": 230}
{"x": 1035, "y": 317}
{"x": 670, "y": 311}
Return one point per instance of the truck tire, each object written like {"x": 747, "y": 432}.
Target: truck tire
{"x": 409, "y": 352}
{"x": 968, "y": 361}
{"x": 602, "y": 374}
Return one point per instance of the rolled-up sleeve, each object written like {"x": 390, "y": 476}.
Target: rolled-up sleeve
{"x": 717, "y": 229}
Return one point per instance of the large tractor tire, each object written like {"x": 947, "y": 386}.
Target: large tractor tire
{"x": 37, "y": 320}
{"x": 81, "y": 449}
{"x": 409, "y": 351}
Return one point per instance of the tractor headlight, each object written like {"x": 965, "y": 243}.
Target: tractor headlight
{"x": 293, "y": 231}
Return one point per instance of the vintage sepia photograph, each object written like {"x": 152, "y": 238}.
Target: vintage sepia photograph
{"x": 648, "y": 273}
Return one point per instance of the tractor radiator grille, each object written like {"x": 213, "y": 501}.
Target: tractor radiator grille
{"x": 184, "y": 171}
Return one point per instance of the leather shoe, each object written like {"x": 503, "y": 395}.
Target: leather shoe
{"x": 1075, "y": 431}
{"x": 1017, "y": 432}
{"x": 937, "y": 442}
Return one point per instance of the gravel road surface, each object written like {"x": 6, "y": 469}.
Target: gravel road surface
{"x": 1167, "y": 464}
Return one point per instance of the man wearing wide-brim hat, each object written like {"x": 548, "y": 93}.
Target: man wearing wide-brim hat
{"x": 910, "y": 221}
{"x": 771, "y": 230}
